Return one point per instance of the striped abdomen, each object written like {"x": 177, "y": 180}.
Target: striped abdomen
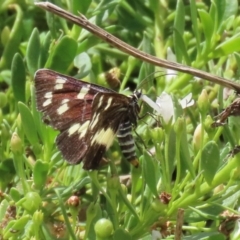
{"x": 126, "y": 142}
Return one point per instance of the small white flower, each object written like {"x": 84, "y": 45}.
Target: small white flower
{"x": 164, "y": 101}
{"x": 164, "y": 105}
{"x": 187, "y": 101}
{"x": 151, "y": 103}
{"x": 156, "y": 235}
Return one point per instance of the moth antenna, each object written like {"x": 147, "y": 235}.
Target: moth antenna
{"x": 146, "y": 79}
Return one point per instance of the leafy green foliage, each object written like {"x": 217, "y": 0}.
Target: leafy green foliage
{"x": 185, "y": 163}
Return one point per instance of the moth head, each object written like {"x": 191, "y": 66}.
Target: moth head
{"x": 137, "y": 95}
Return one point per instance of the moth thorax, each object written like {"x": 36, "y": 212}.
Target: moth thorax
{"x": 126, "y": 141}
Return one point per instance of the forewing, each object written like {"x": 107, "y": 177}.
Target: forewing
{"x": 63, "y": 100}
{"x": 66, "y": 104}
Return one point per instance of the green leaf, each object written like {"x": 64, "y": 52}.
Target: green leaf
{"x": 194, "y": 19}
{"x": 7, "y": 171}
{"x": 210, "y": 161}
{"x": 46, "y": 133}
{"x": 149, "y": 172}
{"x": 220, "y": 7}
{"x": 181, "y": 47}
{"x": 224, "y": 153}
{"x": 171, "y": 152}
{"x": 87, "y": 43}
{"x": 3, "y": 208}
{"x": 40, "y": 173}
{"x": 228, "y": 47}
{"x": 45, "y": 50}
{"x": 80, "y": 6}
{"x": 18, "y": 226}
{"x": 33, "y": 52}
{"x": 179, "y": 23}
{"x": 126, "y": 12}
{"x": 14, "y": 38}
{"x": 28, "y": 123}
{"x": 62, "y": 55}
{"x": 208, "y": 27}
{"x": 18, "y": 78}
{"x": 231, "y": 9}
{"x": 83, "y": 63}
{"x": 15, "y": 194}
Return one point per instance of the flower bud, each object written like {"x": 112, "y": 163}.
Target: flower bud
{"x": 179, "y": 126}
{"x": 73, "y": 201}
{"x": 103, "y": 228}
{"x": 5, "y": 35}
{"x": 197, "y": 137}
{"x": 16, "y": 144}
{"x": 203, "y": 102}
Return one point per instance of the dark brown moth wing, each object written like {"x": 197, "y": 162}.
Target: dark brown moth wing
{"x": 66, "y": 104}
{"x": 109, "y": 110}
{"x": 64, "y": 100}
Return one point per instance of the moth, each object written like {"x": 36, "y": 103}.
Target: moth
{"x": 88, "y": 117}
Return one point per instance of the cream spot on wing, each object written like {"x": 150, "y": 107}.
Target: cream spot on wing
{"x": 58, "y": 86}
{"x": 100, "y": 101}
{"x": 83, "y": 129}
{"x": 73, "y": 128}
{"x": 48, "y": 95}
{"x": 104, "y": 137}
{"x": 62, "y": 109}
{"x": 108, "y": 103}
{"x": 64, "y": 101}
{"x": 47, "y": 102}
{"x": 84, "y": 90}
{"x": 61, "y": 80}
{"x": 95, "y": 121}
{"x": 80, "y": 129}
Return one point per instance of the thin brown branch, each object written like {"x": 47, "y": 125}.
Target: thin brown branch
{"x": 180, "y": 218}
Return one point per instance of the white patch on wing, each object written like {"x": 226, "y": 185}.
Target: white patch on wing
{"x": 83, "y": 129}
{"x": 64, "y": 101}
{"x": 80, "y": 129}
{"x": 95, "y": 120}
{"x": 58, "y": 86}
{"x": 100, "y": 101}
{"x": 108, "y": 103}
{"x": 48, "y": 95}
{"x": 47, "y": 102}
{"x": 62, "y": 109}
{"x": 73, "y": 129}
{"x": 84, "y": 90}
{"x": 104, "y": 137}
{"x": 60, "y": 80}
